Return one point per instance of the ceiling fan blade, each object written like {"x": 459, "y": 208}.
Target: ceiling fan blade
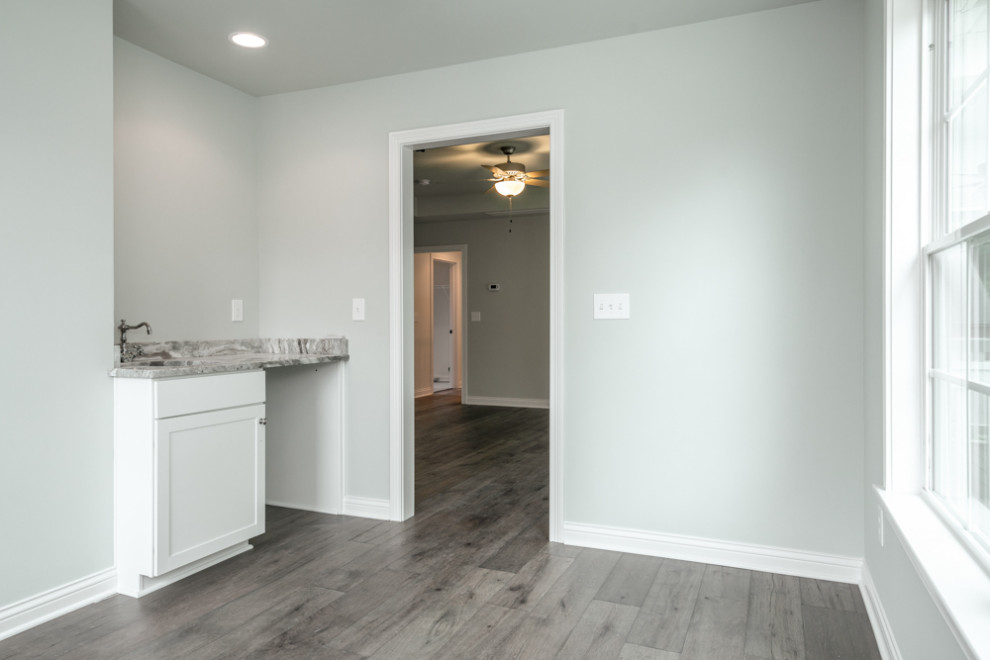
{"x": 538, "y": 182}
{"x": 489, "y": 190}
{"x": 538, "y": 173}
{"x": 496, "y": 170}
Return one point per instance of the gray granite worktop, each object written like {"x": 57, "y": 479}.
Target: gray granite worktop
{"x": 192, "y": 358}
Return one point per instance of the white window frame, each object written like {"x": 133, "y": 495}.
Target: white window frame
{"x": 936, "y": 99}
{"x": 956, "y": 581}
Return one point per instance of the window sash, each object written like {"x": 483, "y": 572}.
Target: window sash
{"x": 960, "y": 146}
{"x": 960, "y": 504}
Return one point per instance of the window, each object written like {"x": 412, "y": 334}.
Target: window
{"x": 958, "y": 269}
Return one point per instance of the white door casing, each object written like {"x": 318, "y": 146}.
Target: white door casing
{"x": 401, "y": 368}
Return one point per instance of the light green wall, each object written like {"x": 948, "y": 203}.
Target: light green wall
{"x": 56, "y": 284}
{"x": 733, "y": 214}
{"x": 712, "y": 171}
{"x": 734, "y": 218}
{"x": 508, "y": 351}
{"x": 185, "y": 199}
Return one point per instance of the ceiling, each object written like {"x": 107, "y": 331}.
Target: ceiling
{"x": 451, "y": 182}
{"x": 316, "y": 43}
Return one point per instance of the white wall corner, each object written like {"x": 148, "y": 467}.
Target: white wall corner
{"x": 878, "y": 618}
{"x": 366, "y": 507}
{"x": 769, "y": 559}
{"x": 51, "y": 604}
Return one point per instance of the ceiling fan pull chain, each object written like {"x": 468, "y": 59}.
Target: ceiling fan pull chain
{"x": 510, "y": 214}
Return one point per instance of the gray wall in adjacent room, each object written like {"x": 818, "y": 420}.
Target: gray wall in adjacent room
{"x": 508, "y": 351}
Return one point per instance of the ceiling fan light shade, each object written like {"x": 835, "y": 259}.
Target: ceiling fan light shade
{"x": 510, "y": 187}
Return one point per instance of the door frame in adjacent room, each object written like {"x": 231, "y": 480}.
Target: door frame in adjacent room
{"x": 459, "y": 349}
{"x": 401, "y": 354}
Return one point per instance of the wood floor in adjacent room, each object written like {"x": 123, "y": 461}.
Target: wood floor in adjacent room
{"x": 471, "y": 575}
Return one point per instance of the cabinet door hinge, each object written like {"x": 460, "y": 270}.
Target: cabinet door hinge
{"x": 263, "y": 421}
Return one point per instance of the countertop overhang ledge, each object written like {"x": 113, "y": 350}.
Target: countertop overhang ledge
{"x": 172, "y": 359}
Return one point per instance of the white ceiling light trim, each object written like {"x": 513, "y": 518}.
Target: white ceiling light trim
{"x": 248, "y": 39}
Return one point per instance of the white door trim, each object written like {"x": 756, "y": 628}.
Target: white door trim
{"x": 400, "y": 238}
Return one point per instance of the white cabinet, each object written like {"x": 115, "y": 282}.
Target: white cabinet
{"x": 209, "y": 484}
{"x": 189, "y": 474}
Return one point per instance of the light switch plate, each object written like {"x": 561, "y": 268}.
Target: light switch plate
{"x": 236, "y": 310}
{"x": 475, "y": 316}
{"x": 357, "y": 309}
{"x": 611, "y": 305}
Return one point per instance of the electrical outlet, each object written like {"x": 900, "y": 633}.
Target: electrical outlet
{"x": 357, "y": 309}
{"x": 236, "y": 310}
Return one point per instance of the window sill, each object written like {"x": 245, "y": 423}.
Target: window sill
{"x": 957, "y": 582}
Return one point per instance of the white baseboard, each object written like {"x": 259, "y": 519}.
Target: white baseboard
{"x": 723, "y": 553}
{"x": 878, "y": 619}
{"x": 46, "y": 606}
{"x": 423, "y": 391}
{"x": 507, "y": 402}
{"x": 366, "y": 507}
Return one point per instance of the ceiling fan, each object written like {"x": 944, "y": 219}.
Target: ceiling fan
{"x": 511, "y": 178}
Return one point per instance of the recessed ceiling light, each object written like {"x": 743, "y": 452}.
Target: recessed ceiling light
{"x": 248, "y": 39}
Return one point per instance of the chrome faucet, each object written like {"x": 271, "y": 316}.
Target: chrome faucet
{"x": 129, "y": 353}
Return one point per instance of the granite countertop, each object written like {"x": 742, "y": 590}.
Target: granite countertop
{"x": 193, "y": 358}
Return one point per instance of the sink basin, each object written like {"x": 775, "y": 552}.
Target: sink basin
{"x": 163, "y": 363}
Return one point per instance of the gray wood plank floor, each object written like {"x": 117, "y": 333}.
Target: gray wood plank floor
{"x": 472, "y": 575}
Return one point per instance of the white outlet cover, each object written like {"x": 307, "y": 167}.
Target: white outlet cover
{"x": 475, "y": 316}
{"x": 611, "y": 306}
{"x": 236, "y": 310}
{"x": 880, "y": 526}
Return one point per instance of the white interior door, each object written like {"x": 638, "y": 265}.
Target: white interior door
{"x": 443, "y": 326}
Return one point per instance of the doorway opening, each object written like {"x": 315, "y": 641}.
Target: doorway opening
{"x": 401, "y": 299}
{"x": 438, "y": 290}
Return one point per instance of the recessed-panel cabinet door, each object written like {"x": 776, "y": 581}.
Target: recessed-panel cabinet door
{"x": 210, "y": 483}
